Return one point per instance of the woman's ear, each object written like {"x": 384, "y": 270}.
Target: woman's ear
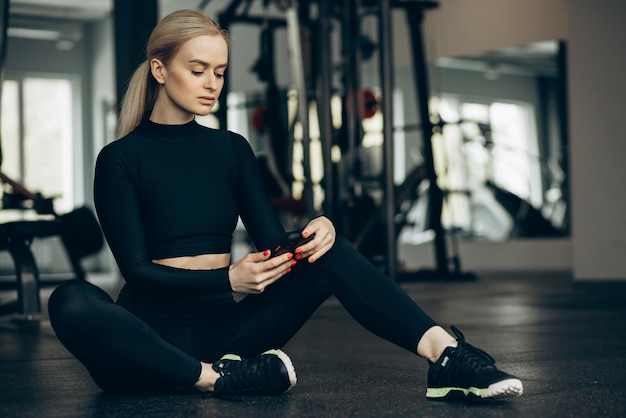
{"x": 158, "y": 70}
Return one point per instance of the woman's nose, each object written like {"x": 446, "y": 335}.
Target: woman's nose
{"x": 210, "y": 82}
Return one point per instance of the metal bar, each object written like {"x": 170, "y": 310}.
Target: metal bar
{"x": 203, "y": 4}
{"x": 351, "y": 80}
{"x": 4, "y": 22}
{"x": 222, "y": 110}
{"x": 297, "y": 70}
{"x": 253, "y": 20}
{"x": 323, "y": 105}
{"x": 386, "y": 82}
{"x": 232, "y": 7}
{"x": 133, "y": 23}
{"x": 27, "y": 279}
{"x": 226, "y": 19}
{"x": 562, "y": 109}
{"x": 415, "y": 14}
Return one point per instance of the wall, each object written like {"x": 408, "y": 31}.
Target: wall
{"x": 541, "y": 254}
{"x": 102, "y": 127}
{"x": 102, "y": 80}
{"x": 598, "y": 138}
{"x": 37, "y": 56}
{"x": 461, "y": 27}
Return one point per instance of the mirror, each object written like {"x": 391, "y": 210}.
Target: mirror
{"x": 501, "y": 142}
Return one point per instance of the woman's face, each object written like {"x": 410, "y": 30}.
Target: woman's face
{"x": 192, "y": 81}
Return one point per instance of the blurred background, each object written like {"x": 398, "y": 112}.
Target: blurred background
{"x": 441, "y": 137}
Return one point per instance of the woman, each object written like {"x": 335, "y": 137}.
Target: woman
{"x": 168, "y": 194}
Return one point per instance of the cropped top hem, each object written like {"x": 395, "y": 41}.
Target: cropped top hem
{"x": 190, "y": 250}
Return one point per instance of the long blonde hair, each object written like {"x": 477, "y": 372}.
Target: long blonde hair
{"x": 165, "y": 41}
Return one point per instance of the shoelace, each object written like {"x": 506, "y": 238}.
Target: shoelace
{"x": 477, "y": 357}
{"x": 239, "y": 376}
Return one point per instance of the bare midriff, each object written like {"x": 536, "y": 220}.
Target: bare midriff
{"x": 197, "y": 262}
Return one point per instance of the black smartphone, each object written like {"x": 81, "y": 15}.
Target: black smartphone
{"x": 292, "y": 241}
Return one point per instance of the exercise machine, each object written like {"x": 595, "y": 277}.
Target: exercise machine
{"x": 373, "y": 225}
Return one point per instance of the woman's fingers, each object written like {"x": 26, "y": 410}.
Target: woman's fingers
{"x": 255, "y": 271}
{"x": 324, "y": 239}
{"x": 277, "y": 273}
{"x": 269, "y": 271}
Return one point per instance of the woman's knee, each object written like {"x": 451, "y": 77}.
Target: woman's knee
{"x": 342, "y": 245}
{"x": 342, "y": 249}
{"x": 74, "y": 302}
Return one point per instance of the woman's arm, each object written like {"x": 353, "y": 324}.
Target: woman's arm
{"x": 260, "y": 218}
{"x": 256, "y": 211}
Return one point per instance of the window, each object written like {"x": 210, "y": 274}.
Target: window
{"x": 38, "y": 145}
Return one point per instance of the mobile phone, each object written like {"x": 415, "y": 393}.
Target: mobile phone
{"x": 292, "y": 241}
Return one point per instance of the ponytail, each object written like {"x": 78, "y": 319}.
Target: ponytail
{"x": 138, "y": 100}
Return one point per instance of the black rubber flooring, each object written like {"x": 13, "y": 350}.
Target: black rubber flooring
{"x": 566, "y": 341}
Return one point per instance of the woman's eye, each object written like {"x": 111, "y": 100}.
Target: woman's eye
{"x": 197, "y": 72}
{"x": 219, "y": 75}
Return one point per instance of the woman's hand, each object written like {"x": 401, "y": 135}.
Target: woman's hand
{"x": 254, "y": 272}
{"x": 324, "y": 239}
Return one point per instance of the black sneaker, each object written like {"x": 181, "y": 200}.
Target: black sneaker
{"x": 467, "y": 372}
{"x": 271, "y": 373}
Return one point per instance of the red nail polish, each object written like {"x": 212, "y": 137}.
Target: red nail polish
{"x": 311, "y": 260}
{"x": 288, "y": 271}
{"x": 298, "y": 257}
{"x": 289, "y": 256}
{"x": 305, "y": 234}
{"x": 294, "y": 262}
{"x": 266, "y": 252}
{"x": 298, "y": 250}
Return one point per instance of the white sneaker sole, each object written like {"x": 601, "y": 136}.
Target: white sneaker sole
{"x": 508, "y": 388}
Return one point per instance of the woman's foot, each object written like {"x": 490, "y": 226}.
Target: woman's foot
{"x": 271, "y": 373}
{"x": 433, "y": 342}
{"x": 467, "y": 372}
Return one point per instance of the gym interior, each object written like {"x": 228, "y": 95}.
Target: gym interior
{"x": 472, "y": 151}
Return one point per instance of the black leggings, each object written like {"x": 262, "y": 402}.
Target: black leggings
{"x": 127, "y": 351}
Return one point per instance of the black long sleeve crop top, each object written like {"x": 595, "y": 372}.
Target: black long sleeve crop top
{"x": 177, "y": 190}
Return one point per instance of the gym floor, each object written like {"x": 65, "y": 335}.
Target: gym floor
{"x": 565, "y": 340}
